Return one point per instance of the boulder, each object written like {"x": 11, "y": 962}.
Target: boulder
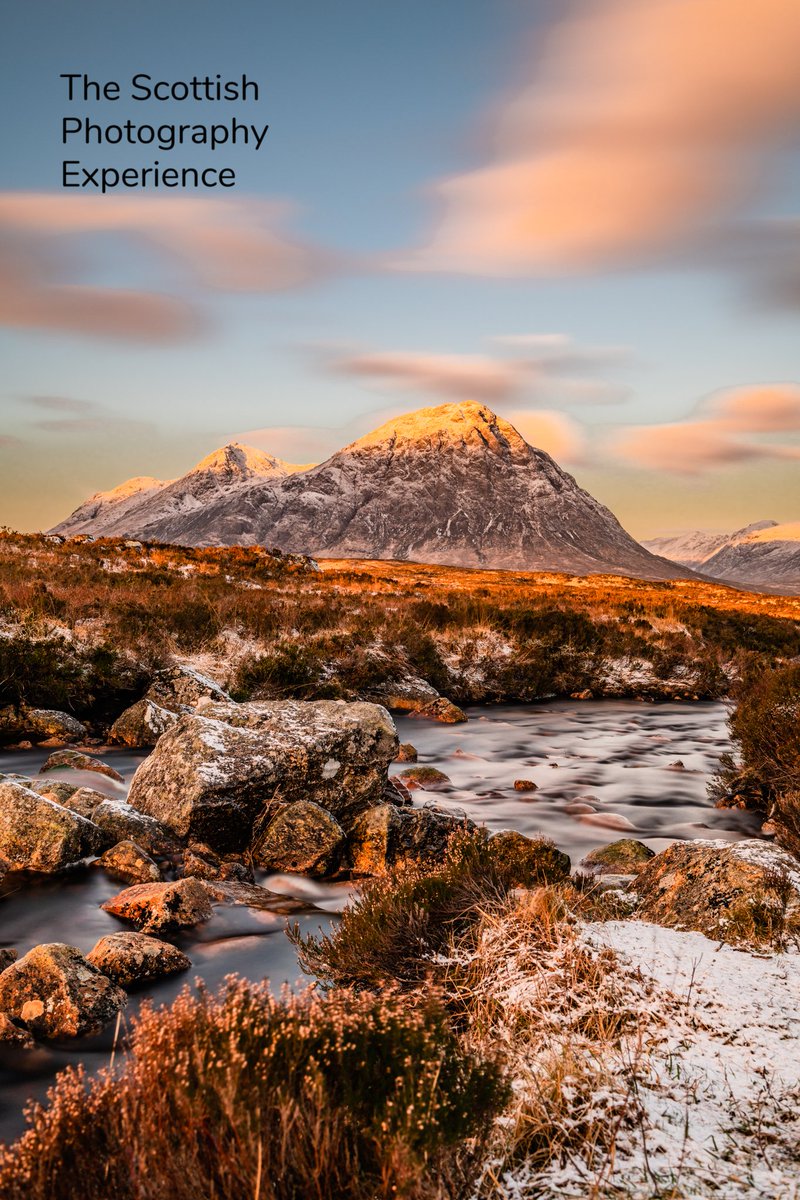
{"x": 7, "y": 956}
{"x": 743, "y": 893}
{"x": 200, "y": 862}
{"x": 525, "y": 785}
{"x": 57, "y": 790}
{"x": 250, "y": 895}
{"x": 302, "y": 837}
{"x": 39, "y": 723}
{"x": 222, "y": 776}
{"x": 75, "y": 760}
{"x": 406, "y": 753}
{"x": 129, "y": 959}
{"x": 405, "y": 695}
{"x": 441, "y": 709}
{"x": 38, "y": 835}
{"x": 12, "y": 1035}
{"x": 84, "y": 800}
{"x": 181, "y": 687}
{"x": 527, "y": 862}
{"x": 429, "y": 778}
{"x": 129, "y": 863}
{"x": 626, "y": 856}
{"x": 158, "y": 907}
{"x": 387, "y": 836}
{"x": 142, "y": 724}
{"x": 56, "y": 993}
{"x": 122, "y": 822}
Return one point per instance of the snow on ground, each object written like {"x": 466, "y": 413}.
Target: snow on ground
{"x": 721, "y": 1091}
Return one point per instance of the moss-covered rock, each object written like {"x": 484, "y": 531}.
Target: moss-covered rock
{"x": 303, "y": 837}
{"x": 626, "y": 856}
{"x": 527, "y": 862}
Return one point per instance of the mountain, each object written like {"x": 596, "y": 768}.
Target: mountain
{"x": 143, "y": 503}
{"x": 762, "y": 555}
{"x": 454, "y": 485}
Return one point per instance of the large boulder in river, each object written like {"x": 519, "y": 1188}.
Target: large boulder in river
{"x": 743, "y": 893}
{"x": 387, "y": 836}
{"x": 302, "y": 837}
{"x": 134, "y": 958}
{"x": 157, "y": 907}
{"x": 56, "y": 993}
{"x": 142, "y": 724}
{"x": 38, "y": 835}
{"x": 626, "y": 856}
{"x": 221, "y": 776}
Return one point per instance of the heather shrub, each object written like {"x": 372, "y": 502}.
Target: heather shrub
{"x": 399, "y": 928}
{"x": 307, "y": 1097}
{"x": 765, "y": 725}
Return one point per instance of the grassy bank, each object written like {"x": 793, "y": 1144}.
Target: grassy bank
{"x": 84, "y": 626}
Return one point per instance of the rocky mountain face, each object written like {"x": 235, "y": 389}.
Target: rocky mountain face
{"x": 762, "y": 555}
{"x": 454, "y": 485}
{"x": 142, "y": 504}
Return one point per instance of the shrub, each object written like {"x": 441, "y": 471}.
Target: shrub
{"x": 399, "y": 928}
{"x": 343, "y": 1097}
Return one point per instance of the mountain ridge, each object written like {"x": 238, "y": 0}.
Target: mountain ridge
{"x": 454, "y": 484}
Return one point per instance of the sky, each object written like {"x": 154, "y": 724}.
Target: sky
{"x": 582, "y": 213}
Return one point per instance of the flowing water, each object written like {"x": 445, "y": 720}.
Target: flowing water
{"x": 602, "y": 770}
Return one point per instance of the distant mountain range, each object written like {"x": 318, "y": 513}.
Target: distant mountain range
{"x": 454, "y": 484}
{"x": 762, "y": 555}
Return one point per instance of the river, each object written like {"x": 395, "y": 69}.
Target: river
{"x": 602, "y": 769}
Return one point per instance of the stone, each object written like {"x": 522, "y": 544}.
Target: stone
{"x": 302, "y": 837}
{"x": 386, "y": 836}
{"x": 443, "y": 710}
{"x": 76, "y": 760}
{"x": 38, "y": 835}
{"x": 429, "y": 778}
{"x": 180, "y": 687}
{"x": 122, "y": 822}
{"x": 250, "y": 895}
{"x": 222, "y": 776}
{"x": 141, "y": 725}
{"x": 406, "y": 752}
{"x": 40, "y": 723}
{"x": 528, "y": 862}
{"x": 56, "y": 993}
{"x": 129, "y": 959}
{"x": 7, "y": 956}
{"x": 12, "y": 1035}
{"x": 626, "y": 856}
{"x": 405, "y": 695}
{"x": 56, "y": 790}
{"x": 158, "y": 907}
{"x": 525, "y": 785}
{"x": 129, "y": 863}
{"x": 742, "y": 893}
{"x": 396, "y": 792}
{"x": 84, "y": 800}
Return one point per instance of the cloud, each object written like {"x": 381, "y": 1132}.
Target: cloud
{"x": 558, "y": 434}
{"x": 81, "y": 416}
{"x": 641, "y": 126}
{"x": 230, "y": 245}
{"x": 544, "y": 373}
{"x": 730, "y": 427}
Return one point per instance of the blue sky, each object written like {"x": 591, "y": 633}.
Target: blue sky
{"x": 370, "y": 108}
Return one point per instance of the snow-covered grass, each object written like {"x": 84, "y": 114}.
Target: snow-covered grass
{"x": 648, "y": 1063}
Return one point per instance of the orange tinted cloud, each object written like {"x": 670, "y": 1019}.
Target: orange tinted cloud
{"x": 230, "y": 245}
{"x": 642, "y": 123}
{"x": 456, "y": 375}
{"x": 731, "y": 427}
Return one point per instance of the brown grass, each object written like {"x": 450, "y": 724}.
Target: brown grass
{"x": 343, "y": 1097}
